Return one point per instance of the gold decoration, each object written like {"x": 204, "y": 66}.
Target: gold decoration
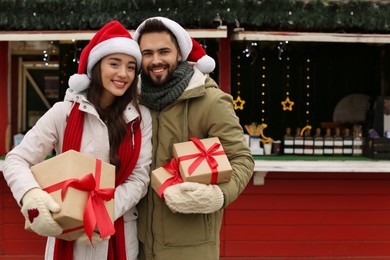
{"x": 255, "y": 129}
{"x": 238, "y": 103}
{"x": 287, "y": 104}
{"x": 263, "y": 138}
{"x": 308, "y": 127}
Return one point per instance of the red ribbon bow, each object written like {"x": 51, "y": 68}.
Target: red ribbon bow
{"x": 173, "y": 168}
{"x": 95, "y": 203}
{"x": 204, "y": 155}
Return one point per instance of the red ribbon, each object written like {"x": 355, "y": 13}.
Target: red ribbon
{"x": 95, "y": 203}
{"x": 204, "y": 155}
{"x": 173, "y": 168}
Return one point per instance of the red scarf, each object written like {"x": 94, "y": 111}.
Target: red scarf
{"x": 128, "y": 153}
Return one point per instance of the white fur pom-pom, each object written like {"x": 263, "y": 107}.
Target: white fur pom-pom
{"x": 206, "y": 64}
{"x": 79, "y": 82}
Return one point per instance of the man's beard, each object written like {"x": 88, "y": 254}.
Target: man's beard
{"x": 161, "y": 79}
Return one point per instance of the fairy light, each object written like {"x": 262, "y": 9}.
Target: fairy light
{"x": 263, "y": 88}
{"x": 238, "y": 102}
{"x": 70, "y": 62}
{"x": 46, "y": 57}
{"x": 250, "y": 51}
{"x": 281, "y": 48}
{"x": 238, "y": 75}
{"x": 47, "y": 52}
{"x": 308, "y": 90}
{"x": 287, "y": 103}
{"x": 75, "y": 52}
{"x": 202, "y": 43}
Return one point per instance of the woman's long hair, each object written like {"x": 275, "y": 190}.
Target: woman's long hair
{"x": 112, "y": 115}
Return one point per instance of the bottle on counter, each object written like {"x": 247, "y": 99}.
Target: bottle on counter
{"x": 276, "y": 147}
{"x": 347, "y": 142}
{"x": 318, "y": 143}
{"x": 328, "y": 142}
{"x": 337, "y": 142}
{"x": 298, "y": 142}
{"x": 288, "y": 142}
{"x": 308, "y": 142}
{"x": 357, "y": 141}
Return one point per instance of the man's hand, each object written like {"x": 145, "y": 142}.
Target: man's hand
{"x": 192, "y": 197}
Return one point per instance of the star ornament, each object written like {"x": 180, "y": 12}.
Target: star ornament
{"x": 287, "y": 104}
{"x": 238, "y": 103}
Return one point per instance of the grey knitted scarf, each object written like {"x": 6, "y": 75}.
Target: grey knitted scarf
{"x": 158, "y": 97}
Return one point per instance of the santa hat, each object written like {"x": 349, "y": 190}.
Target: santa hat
{"x": 190, "y": 49}
{"x": 111, "y": 38}
{"x": 204, "y": 62}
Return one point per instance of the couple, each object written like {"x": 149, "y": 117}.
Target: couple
{"x": 102, "y": 117}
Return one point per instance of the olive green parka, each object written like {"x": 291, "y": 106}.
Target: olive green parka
{"x": 203, "y": 111}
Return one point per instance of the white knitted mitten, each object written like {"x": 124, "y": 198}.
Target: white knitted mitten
{"x": 37, "y": 208}
{"x": 192, "y": 197}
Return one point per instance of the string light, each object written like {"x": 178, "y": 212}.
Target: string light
{"x": 308, "y": 90}
{"x": 49, "y": 51}
{"x": 238, "y": 102}
{"x": 263, "y": 88}
{"x": 70, "y": 61}
{"x": 75, "y": 52}
{"x": 46, "y": 57}
{"x": 281, "y": 47}
{"x": 251, "y": 51}
{"x": 287, "y": 103}
{"x": 203, "y": 44}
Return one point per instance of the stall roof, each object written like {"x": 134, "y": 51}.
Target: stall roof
{"x": 210, "y": 33}
{"x": 87, "y": 35}
{"x": 310, "y": 37}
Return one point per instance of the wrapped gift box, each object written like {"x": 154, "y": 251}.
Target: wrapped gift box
{"x": 165, "y": 176}
{"x": 203, "y": 161}
{"x": 51, "y": 173}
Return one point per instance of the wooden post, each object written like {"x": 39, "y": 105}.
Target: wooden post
{"x": 4, "y": 130}
{"x": 224, "y": 64}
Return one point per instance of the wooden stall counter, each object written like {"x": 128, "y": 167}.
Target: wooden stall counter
{"x": 290, "y": 163}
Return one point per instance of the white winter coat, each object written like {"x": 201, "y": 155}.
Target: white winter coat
{"x": 48, "y": 134}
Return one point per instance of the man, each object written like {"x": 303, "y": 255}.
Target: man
{"x": 185, "y": 103}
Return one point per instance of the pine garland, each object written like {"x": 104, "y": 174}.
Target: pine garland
{"x": 267, "y": 15}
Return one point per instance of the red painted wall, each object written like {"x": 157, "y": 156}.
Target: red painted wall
{"x": 15, "y": 242}
{"x": 311, "y": 216}
{"x": 293, "y": 216}
{"x": 4, "y": 95}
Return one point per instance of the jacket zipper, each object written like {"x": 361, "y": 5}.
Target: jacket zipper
{"x": 155, "y": 161}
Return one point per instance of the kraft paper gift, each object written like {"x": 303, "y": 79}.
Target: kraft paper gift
{"x": 203, "y": 161}
{"x": 80, "y": 184}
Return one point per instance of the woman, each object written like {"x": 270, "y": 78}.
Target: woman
{"x": 99, "y": 116}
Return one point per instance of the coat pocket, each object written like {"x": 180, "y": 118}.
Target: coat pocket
{"x": 188, "y": 229}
